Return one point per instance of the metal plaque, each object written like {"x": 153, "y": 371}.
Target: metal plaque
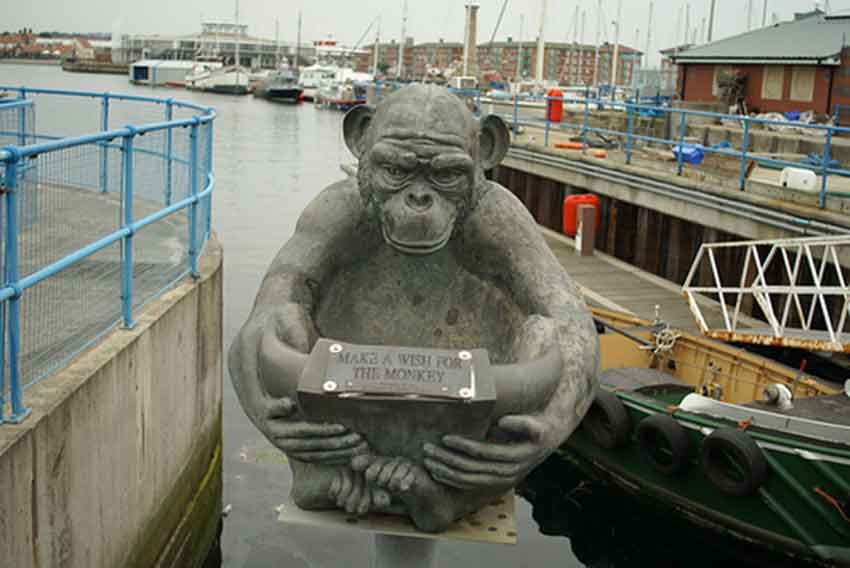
{"x": 399, "y": 371}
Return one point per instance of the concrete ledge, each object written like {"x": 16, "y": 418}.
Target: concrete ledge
{"x": 122, "y": 445}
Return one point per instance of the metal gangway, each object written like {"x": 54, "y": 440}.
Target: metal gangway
{"x": 799, "y": 285}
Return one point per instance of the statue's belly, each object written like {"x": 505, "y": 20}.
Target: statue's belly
{"x": 398, "y": 300}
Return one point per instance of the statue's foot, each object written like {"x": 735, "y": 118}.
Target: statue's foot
{"x": 428, "y": 503}
{"x": 351, "y": 493}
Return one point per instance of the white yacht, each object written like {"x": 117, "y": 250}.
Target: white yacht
{"x": 312, "y": 77}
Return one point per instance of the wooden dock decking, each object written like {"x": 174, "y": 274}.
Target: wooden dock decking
{"x": 610, "y": 283}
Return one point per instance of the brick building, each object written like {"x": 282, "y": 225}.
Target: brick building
{"x": 796, "y": 65}
{"x": 567, "y": 63}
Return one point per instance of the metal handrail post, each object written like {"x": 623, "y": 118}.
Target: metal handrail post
{"x": 742, "y": 183}
{"x": 630, "y": 133}
{"x": 169, "y": 143}
{"x": 193, "y": 208}
{"x": 208, "y": 229}
{"x": 516, "y": 115}
{"x": 680, "y": 155}
{"x": 19, "y": 411}
{"x": 127, "y": 241}
{"x": 825, "y": 174}
{"x": 104, "y": 126}
{"x": 547, "y": 110}
{"x": 586, "y": 122}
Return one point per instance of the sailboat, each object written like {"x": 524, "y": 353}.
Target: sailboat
{"x": 231, "y": 80}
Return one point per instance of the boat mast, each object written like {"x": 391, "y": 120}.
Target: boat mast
{"x": 711, "y": 20}
{"x": 541, "y": 43}
{"x": 277, "y": 43}
{"x": 519, "y": 48}
{"x": 401, "y": 42}
{"x": 614, "y": 76}
{"x": 649, "y": 34}
{"x": 298, "y": 45}
{"x": 574, "y": 68}
{"x": 581, "y": 50}
{"x": 377, "y": 49}
{"x": 598, "y": 35}
{"x": 238, "y": 40}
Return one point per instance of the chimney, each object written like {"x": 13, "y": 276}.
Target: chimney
{"x": 470, "y": 47}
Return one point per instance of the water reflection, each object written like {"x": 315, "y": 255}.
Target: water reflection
{"x": 608, "y": 528}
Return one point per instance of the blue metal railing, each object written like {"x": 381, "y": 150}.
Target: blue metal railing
{"x": 824, "y": 166}
{"x": 119, "y": 143}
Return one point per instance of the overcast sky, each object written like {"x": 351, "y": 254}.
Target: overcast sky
{"x": 428, "y": 20}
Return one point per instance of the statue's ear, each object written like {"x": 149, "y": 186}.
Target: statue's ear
{"x": 495, "y": 140}
{"x": 354, "y": 127}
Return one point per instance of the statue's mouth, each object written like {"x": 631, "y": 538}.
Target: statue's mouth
{"x": 420, "y": 248}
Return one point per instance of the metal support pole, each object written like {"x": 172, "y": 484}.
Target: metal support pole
{"x": 631, "y": 130}
{"x": 104, "y": 126}
{"x": 393, "y": 551}
{"x": 516, "y": 115}
{"x": 127, "y": 241}
{"x": 680, "y": 155}
{"x": 744, "y": 147}
{"x": 169, "y": 144}
{"x": 825, "y": 170}
{"x": 586, "y": 123}
{"x": 208, "y": 228}
{"x": 19, "y": 411}
{"x": 2, "y": 361}
{"x": 547, "y": 107}
{"x": 193, "y": 208}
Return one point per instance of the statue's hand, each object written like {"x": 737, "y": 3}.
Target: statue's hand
{"x": 328, "y": 444}
{"x": 352, "y": 493}
{"x": 395, "y": 475}
{"x": 467, "y": 464}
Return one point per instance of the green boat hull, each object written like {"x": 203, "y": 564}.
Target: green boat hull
{"x": 788, "y": 513}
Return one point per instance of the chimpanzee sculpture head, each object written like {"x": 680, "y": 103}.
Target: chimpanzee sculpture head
{"x": 422, "y": 160}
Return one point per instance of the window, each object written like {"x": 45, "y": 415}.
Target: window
{"x": 803, "y": 84}
{"x": 774, "y": 78}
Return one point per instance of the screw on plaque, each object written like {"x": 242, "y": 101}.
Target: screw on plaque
{"x": 465, "y": 355}
{"x": 465, "y": 392}
{"x": 336, "y": 348}
{"x": 329, "y": 386}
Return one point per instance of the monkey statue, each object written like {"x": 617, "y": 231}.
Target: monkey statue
{"x": 419, "y": 250}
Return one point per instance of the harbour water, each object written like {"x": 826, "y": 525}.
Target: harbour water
{"x": 270, "y": 161}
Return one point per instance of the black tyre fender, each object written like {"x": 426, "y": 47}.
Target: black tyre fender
{"x": 607, "y": 421}
{"x": 729, "y": 448}
{"x": 664, "y": 443}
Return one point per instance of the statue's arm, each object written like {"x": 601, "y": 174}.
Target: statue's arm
{"x": 266, "y": 358}
{"x": 502, "y": 242}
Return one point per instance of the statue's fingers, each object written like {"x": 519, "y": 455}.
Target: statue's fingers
{"x": 365, "y": 501}
{"x": 335, "y": 487}
{"x": 335, "y": 457}
{"x": 407, "y": 482}
{"x": 447, "y": 476}
{"x": 346, "y": 484}
{"x": 357, "y": 490}
{"x": 490, "y": 451}
{"x": 387, "y": 472}
{"x": 320, "y": 444}
{"x": 527, "y": 426}
{"x": 462, "y": 463}
{"x": 277, "y": 408}
{"x": 399, "y": 474}
{"x": 362, "y": 462}
{"x": 284, "y": 429}
{"x": 380, "y": 498}
{"x": 375, "y": 469}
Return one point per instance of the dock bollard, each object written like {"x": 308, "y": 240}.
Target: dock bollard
{"x": 586, "y": 230}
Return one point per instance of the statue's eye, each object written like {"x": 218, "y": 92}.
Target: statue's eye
{"x": 447, "y": 177}
{"x": 394, "y": 172}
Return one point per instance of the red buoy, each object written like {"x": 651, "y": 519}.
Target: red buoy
{"x": 571, "y": 204}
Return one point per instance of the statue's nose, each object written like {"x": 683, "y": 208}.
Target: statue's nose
{"x": 419, "y": 200}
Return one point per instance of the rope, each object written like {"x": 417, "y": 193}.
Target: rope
{"x": 834, "y": 502}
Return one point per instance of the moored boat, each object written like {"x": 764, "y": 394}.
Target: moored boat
{"x": 728, "y": 439}
{"x": 281, "y": 86}
{"x": 232, "y": 80}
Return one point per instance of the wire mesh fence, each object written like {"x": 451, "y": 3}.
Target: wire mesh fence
{"x": 97, "y": 220}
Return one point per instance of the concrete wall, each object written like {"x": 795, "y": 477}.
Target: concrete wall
{"x": 120, "y": 462}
